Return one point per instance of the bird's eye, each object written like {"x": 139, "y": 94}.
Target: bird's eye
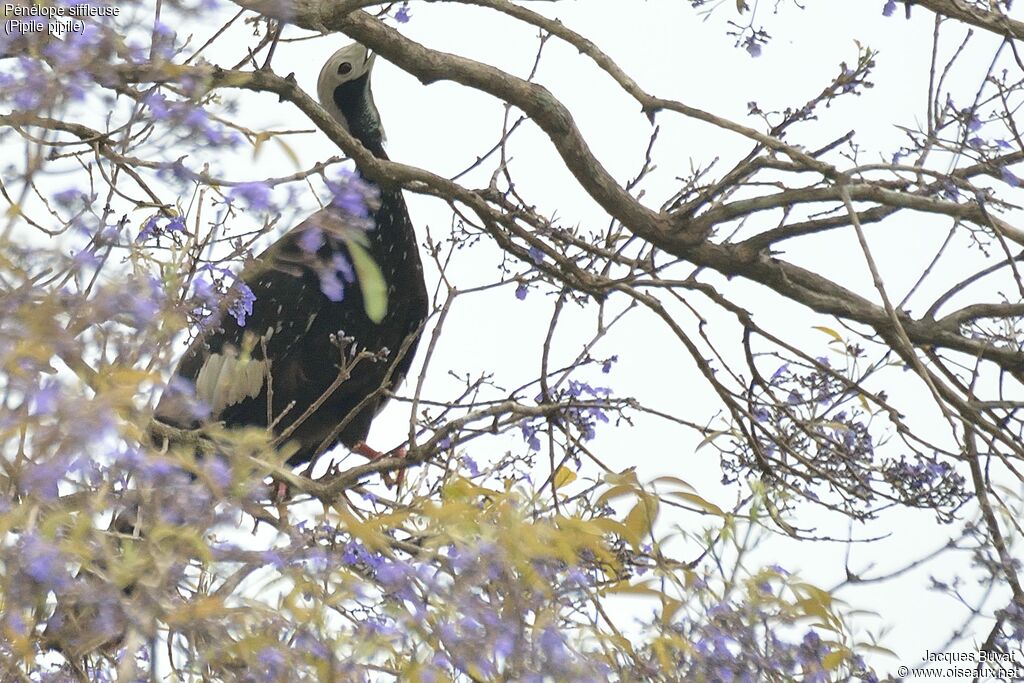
{"x": 344, "y": 68}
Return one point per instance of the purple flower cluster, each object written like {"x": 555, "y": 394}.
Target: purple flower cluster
{"x": 63, "y": 72}
{"x": 1011, "y": 633}
{"x": 210, "y": 286}
{"x": 927, "y": 483}
{"x": 809, "y": 430}
{"x": 256, "y": 195}
{"x": 403, "y": 15}
{"x": 583, "y": 419}
{"x": 334, "y": 275}
{"x": 193, "y": 123}
{"x": 354, "y": 196}
{"x": 152, "y": 228}
{"x": 742, "y": 642}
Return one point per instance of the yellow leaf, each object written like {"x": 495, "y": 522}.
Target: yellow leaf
{"x": 709, "y": 438}
{"x": 257, "y": 144}
{"x": 674, "y": 480}
{"x": 289, "y": 152}
{"x": 196, "y": 610}
{"x": 817, "y": 603}
{"x": 641, "y": 518}
{"x": 617, "y": 492}
{"x": 611, "y": 526}
{"x": 830, "y": 332}
{"x": 876, "y": 648}
{"x": 626, "y": 477}
{"x": 662, "y": 651}
{"x": 696, "y": 500}
{"x": 833, "y": 660}
{"x": 563, "y": 476}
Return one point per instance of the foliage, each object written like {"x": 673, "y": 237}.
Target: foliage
{"x": 512, "y": 550}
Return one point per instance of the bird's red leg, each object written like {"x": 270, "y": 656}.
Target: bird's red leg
{"x": 279, "y": 495}
{"x": 363, "y": 449}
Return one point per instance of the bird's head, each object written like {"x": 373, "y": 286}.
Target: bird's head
{"x": 344, "y": 91}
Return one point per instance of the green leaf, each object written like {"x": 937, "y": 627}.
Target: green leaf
{"x": 371, "y": 281}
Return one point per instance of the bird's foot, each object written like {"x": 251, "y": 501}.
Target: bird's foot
{"x": 392, "y": 479}
{"x": 280, "y": 492}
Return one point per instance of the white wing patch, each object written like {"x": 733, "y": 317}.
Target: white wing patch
{"x": 226, "y": 379}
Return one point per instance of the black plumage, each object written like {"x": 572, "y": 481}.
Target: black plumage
{"x": 291, "y": 340}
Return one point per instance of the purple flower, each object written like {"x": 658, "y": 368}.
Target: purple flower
{"x": 45, "y": 400}
{"x": 402, "y": 16}
{"x": 504, "y": 645}
{"x": 331, "y": 285}
{"x": 152, "y": 227}
{"x": 41, "y": 479}
{"x": 255, "y": 194}
{"x": 553, "y": 646}
{"x": 86, "y": 258}
{"x": 272, "y": 662}
{"x": 537, "y": 254}
{"x": 199, "y": 121}
{"x": 143, "y": 299}
{"x": 149, "y": 228}
{"x": 606, "y": 367}
{"x": 203, "y": 289}
{"x": 352, "y": 194}
{"x": 1009, "y": 178}
{"x": 43, "y": 562}
{"x": 521, "y": 291}
{"x": 241, "y": 307}
{"x": 530, "y": 435}
{"x": 889, "y": 8}
{"x": 342, "y": 266}
{"x": 778, "y": 373}
{"x": 26, "y": 99}
{"x": 391, "y": 573}
{"x": 158, "y": 107}
{"x": 752, "y": 47}
{"x": 470, "y": 466}
{"x": 162, "y": 29}
{"x": 311, "y": 240}
{"x": 67, "y": 197}
{"x": 353, "y": 553}
{"x": 176, "y": 170}
{"x": 220, "y": 472}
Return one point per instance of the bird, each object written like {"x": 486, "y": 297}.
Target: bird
{"x": 314, "y": 361}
